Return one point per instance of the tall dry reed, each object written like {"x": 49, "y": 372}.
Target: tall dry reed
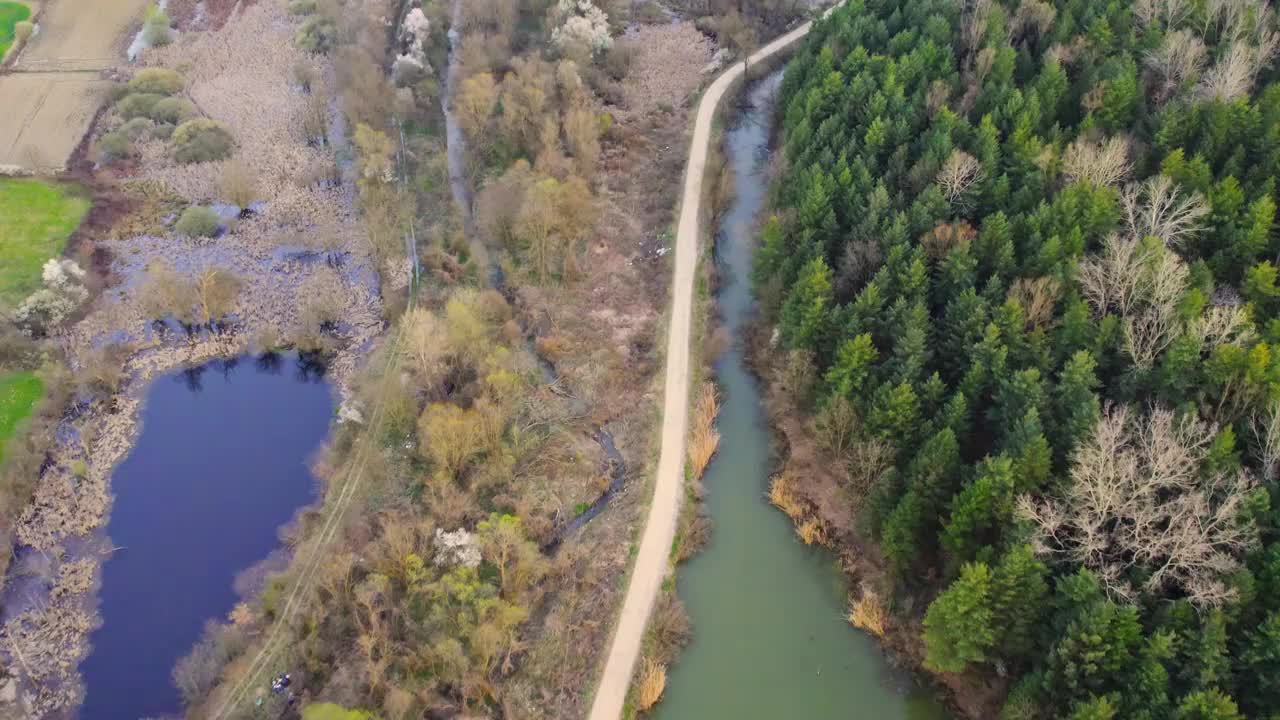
{"x": 704, "y": 438}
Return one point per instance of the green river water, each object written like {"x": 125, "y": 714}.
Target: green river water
{"x": 770, "y": 639}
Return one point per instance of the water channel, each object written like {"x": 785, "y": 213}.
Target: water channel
{"x": 219, "y": 467}
{"x": 770, "y": 639}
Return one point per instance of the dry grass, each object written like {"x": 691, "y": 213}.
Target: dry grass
{"x": 812, "y": 532}
{"x": 868, "y": 614}
{"x": 704, "y": 438}
{"x": 653, "y": 681}
{"x": 782, "y": 495}
{"x": 670, "y": 628}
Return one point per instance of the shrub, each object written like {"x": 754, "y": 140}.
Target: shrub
{"x": 43, "y": 311}
{"x": 162, "y": 131}
{"x": 302, "y": 7}
{"x": 619, "y": 59}
{"x": 197, "y": 221}
{"x": 317, "y": 34}
{"x": 135, "y": 128}
{"x": 161, "y": 81}
{"x": 201, "y": 140}
{"x": 155, "y": 31}
{"x": 114, "y": 146}
{"x": 137, "y": 105}
{"x": 238, "y": 184}
{"x": 653, "y": 681}
{"x": 172, "y": 110}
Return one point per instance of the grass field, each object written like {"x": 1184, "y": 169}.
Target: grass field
{"x": 19, "y": 393}
{"x": 11, "y": 13}
{"x": 36, "y": 218}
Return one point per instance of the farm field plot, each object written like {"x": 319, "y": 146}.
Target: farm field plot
{"x": 36, "y": 218}
{"x": 86, "y": 35}
{"x": 54, "y": 88}
{"x": 45, "y": 116}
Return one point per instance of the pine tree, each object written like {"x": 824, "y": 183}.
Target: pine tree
{"x": 958, "y": 625}
{"x": 806, "y": 312}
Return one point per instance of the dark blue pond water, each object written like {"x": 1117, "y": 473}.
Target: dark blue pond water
{"x": 220, "y": 465}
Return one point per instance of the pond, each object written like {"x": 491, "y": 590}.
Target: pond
{"x": 220, "y": 465}
{"x": 769, "y": 635}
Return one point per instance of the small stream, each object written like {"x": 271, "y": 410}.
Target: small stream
{"x": 220, "y": 465}
{"x": 769, "y": 635}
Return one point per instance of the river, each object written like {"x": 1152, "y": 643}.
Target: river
{"x": 770, "y": 639}
{"x": 219, "y": 467}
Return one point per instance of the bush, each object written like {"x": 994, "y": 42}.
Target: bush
{"x": 238, "y": 184}
{"x": 22, "y": 31}
{"x": 114, "y": 146}
{"x": 162, "y": 131}
{"x": 197, "y": 221}
{"x": 138, "y": 105}
{"x": 135, "y": 128}
{"x": 619, "y": 59}
{"x": 201, "y": 140}
{"x": 317, "y": 34}
{"x": 43, "y": 311}
{"x": 161, "y": 81}
{"x": 155, "y": 31}
{"x": 172, "y": 110}
{"x": 302, "y": 7}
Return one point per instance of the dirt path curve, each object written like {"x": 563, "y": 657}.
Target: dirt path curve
{"x": 655, "y": 545}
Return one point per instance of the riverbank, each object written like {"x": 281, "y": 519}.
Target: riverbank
{"x": 768, "y": 635}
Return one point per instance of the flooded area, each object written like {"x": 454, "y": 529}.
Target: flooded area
{"x": 220, "y": 466}
{"x": 770, "y": 639}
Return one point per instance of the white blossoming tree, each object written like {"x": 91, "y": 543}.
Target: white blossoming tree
{"x": 582, "y": 28}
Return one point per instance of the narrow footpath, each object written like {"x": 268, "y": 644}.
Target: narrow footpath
{"x": 651, "y": 565}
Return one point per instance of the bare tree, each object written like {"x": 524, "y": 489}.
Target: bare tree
{"x": 1162, "y": 13}
{"x": 1150, "y": 330}
{"x": 1222, "y": 325}
{"x": 1266, "y": 430}
{"x": 1034, "y": 18}
{"x": 1156, "y": 208}
{"x": 1232, "y": 76}
{"x": 216, "y": 294}
{"x": 1101, "y": 163}
{"x": 1141, "y": 503}
{"x": 1112, "y": 279}
{"x": 1037, "y": 297}
{"x": 958, "y": 175}
{"x": 1176, "y": 63}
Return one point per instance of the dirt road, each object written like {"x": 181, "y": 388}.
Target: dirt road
{"x": 655, "y": 546}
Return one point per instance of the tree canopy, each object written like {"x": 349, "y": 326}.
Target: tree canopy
{"x": 1030, "y": 245}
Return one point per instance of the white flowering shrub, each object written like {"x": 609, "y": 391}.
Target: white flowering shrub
{"x": 60, "y": 274}
{"x": 49, "y": 307}
{"x": 417, "y": 26}
{"x": 457, "y": 548}
{"x": 584, "y": 26}
{"x": 415, "y": 32}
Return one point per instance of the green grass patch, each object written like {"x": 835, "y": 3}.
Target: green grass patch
{"x": 36, "y": 218}
{"x": 19, "y": 393}
{"x": 11, "y": 13}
